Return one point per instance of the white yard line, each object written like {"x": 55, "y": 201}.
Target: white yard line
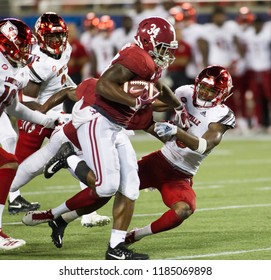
{"x": 219, "y": 254}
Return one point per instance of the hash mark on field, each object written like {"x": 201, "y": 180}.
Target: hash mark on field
{"x": 219, "y": 254}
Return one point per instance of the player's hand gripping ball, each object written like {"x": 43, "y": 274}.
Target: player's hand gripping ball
{"x": 144, "y": 92}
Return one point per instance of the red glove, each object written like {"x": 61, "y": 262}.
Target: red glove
{"x": 146, "y": 99}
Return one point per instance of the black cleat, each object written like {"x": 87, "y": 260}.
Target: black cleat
{"x": 19, "y": 204}
{"x": 59, "y": 160}
{"x": 58, "y": 227}
{"x": 121, "y": 252}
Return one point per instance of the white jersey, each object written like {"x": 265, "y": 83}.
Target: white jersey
{"x": 51, "y": 73}
{"x": 221, "y": 43}
{"x": 104, "y": 51}
{"x": 199, "y": 118}
{"x": 86, "y": 40}
{"x": 120, "y": 38}
{"x": 258, "y": 53}
{"x": 191, "y": 34}
{"x": 12, "y": 79}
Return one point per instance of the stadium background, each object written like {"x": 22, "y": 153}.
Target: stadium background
{"x": 75, "y": 10}
{"x": 233, "y": 186}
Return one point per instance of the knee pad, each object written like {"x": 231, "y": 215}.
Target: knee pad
{"x": 108, "y": 189}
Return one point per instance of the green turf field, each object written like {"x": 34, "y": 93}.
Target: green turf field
{"x": 232, "y": 220}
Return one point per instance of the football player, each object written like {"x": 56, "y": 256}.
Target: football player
{"x": 181, "y": 156}
{"x": 48, "y": 76}
{"x": 16, "y": 41}
{"x": 171, "y": 169}
{"x": 106, "y": 149}
{"x": 33, "y": 165}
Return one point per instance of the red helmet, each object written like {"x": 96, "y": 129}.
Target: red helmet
{"x": 52, "y": 33}
{"x": 16, "y": 41}
{"x": 106, "y": 24}
{"x": 245, "y": 16}
{"x": 91, "y": 21}
{"x": 213, "y": 86}
{"x": 157, "y": 37}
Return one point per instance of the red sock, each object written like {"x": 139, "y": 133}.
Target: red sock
{"x": 84, "y": 198}
{"x": 6, "y": 177}
{"x": 167, "y": 221}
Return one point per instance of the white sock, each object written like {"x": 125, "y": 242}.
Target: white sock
{"x": 13, "y": 195}
{"x": 117, "y": 236}
{"x": 70, "y": 216}
{"x": 142, "y": 232}
{"x": 59, "y": 210}
{"x": 1, "y": 213}
{"x": 73, "y": 161}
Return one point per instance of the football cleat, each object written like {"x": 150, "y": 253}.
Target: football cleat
{"x": 34, "y": 218}
{"x": 58, "y": 227}
{"x": 93, "y": 219}
{"x": 59, "y": 160}
{"x": 130, "y": 237}
{"x": 19, "y": 204}
{"x": 9, "y": 243}
{"x": 121, "y": 252}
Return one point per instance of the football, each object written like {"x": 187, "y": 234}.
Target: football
{"x": 137, "y": 88}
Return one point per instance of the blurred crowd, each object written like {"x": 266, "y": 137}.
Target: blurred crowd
{"x": 241, "y": 43}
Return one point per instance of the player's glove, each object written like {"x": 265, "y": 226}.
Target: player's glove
{"x": 50, "y": 122}
{"x": 145, "y": 99}
{"x": 47, "y": 121}
{"x": 165, "y": 129}
{"x": 27, "y": 126}
{"x": 181, "y": 118}
{"x": 61, "y": 118}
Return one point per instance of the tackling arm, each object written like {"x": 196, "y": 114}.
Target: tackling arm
{"x": 210, "y": 138}
{"x": 167, "y": 96}
{"x": 20, "y": 111}
{"x": 58, "y": 98}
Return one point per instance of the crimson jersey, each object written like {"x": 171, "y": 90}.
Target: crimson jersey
{"x": 141, "y": 119}
{"x": 142, "y": 65}
{"x": 86, "y": 89}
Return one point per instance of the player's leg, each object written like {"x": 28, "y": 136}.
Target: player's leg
{"x": 59, "y": 224}
{"x": 101, "y": 157}
{"x": 93, "y": 219}
{"x": 27, "y": 144}
{"x": 124, "y": 202}
{"x": 33, "y": 166}
{"x": 8, "y": 167}
{"x": 177, "y": 193}
{"x": 8, "y": 138}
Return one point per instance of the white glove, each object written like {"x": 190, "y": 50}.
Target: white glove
{"x": 182, "y": 118}
{"x": 61, "y": 118}
{"x": 165, "y": 129}
{"x": 50, "y": 122}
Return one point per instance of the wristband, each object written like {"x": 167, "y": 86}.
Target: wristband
{"x": 202, "y": 146}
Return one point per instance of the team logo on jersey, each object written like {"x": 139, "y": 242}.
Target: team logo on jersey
{"x": 10, "y": 31}
{"x": 54, "y": 68}
{"x": 4, "y": 67}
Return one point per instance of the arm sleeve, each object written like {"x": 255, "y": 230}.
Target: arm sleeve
{"x": 21, "y": 112}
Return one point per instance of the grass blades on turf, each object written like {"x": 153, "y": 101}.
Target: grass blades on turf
{"x": 232, "y": 220}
